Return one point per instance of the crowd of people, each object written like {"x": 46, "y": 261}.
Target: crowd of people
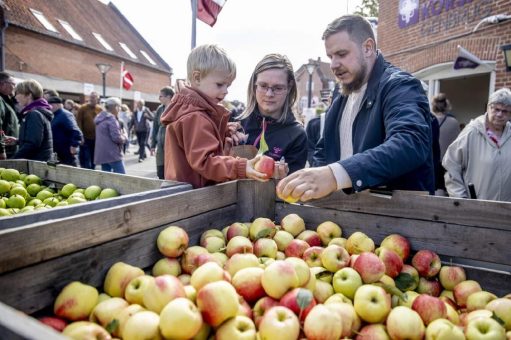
{"x": 380, "y": 132}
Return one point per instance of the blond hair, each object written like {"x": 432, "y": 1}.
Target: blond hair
{"x": 30, "y": 86}
{"x": 206, "y": 58}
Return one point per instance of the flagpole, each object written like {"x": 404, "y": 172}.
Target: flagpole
{"x": 120, "y": 81}
{"x": 194, "y": 23}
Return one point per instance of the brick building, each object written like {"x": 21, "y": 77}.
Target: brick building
{"x": 422, "y": 37}
{"x": 59, "y": 43}
{"x": 323, "y": 81}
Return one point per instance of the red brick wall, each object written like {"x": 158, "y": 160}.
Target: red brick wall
{"x": 434, "y": 40}
{"x": 34, "y": 53}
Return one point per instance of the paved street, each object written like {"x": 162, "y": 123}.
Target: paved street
{"x": 146, "y": 168}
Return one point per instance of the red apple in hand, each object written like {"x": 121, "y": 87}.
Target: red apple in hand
{"x": 266, "y": 165}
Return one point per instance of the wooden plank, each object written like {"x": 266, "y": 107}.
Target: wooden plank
{"x": 37, "y": 286}
{"x": 20, "y": 164}
{"x": 42, "y": 241}
{"x": 447, "y": 239}
{"x": 255, "y": 199}
{"x": 81, "y": 177}
{"x": 75, "y": 209}
{"x": 486, "y": 214}
{"x": 15, "y": 325}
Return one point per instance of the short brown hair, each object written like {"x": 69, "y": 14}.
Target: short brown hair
{"x": 31, "y": 87}
{"x": 358, "y": 28}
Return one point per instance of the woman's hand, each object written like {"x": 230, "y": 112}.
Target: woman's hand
{"x": 9, "y": 140}
{"x": 281, "y": 169}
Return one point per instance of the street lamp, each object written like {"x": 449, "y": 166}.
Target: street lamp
{"x": 507, "y": 56}
{"x": 311, "y": 66}
{"x": 104, "y": 68}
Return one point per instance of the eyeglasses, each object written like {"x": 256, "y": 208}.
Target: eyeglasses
{"x": 497, "y": 110}
{"x": 277, "y": 89}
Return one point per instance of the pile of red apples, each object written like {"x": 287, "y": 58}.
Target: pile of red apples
{"x": 265, "y": 281}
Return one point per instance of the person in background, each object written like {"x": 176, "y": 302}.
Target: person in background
{"x": 377, "y": 132}
{"x": 85, "y": 119}
{"x": 270, "y": 98}
{"x": 481, "y": 154}
{"x": 69, "y": 104}
{"x": 75, "y": 109}
{"x": 9, "y": 123}
{"x": 125, "y": 119}
{"x": 313, "y": 131}
{"x": 158, "y": 132}
{"x": 449, "y": 126}
{"x": 141, "y": 123}
{"x": 35, "y": 136}
{"x": 47, "y": 93}
{"x": 110, "y": 138}
{"x": 195, "y": 149}
{"x": 67, "y": 137}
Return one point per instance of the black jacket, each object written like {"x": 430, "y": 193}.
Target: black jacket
{"x": 392, "y": 139}
{"x": 36, "y": 139}
{"x": 287, "y": 139}
{"x": 66, "y": 133}
{"x": 313, "y": 131}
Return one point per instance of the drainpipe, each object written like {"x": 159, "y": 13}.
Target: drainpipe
{"x": 3, "y": 26}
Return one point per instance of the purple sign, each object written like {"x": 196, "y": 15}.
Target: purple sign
{"x": 408, "y": 13}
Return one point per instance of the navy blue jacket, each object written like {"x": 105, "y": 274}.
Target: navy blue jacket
{"x": 287, "y": 139}
{"x": 66, "y": 133}
{"x": 36, "y": 139}
{"x": 392, "y": 142}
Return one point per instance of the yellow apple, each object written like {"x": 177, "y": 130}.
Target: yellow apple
{"x": 172, "y": 241}
{"x": 217, "y": 301}
{"x": 134, "y": 292}
{"x": 167, "y": 265}
{"x": 405, "y": 323}
{"x": 118, "y": 277}
{"x": 107, "y": 310}
{"x": 161, "y": 291}
{"x": 358, "y": 242}
{"x": 208, "y": 272}
{"x": 323, "y": 322}
{"x": 76, "y": 301}
{"x": 278, "y": 278}
{"x": 86, "y": 330}
{"x": 239, "y": 328}
{"x": 180, "y": 319}
{"x": 142, "y": 325}
{"x": 279, "y": 323}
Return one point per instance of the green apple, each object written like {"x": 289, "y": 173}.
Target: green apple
{"x": 68, "y": 189}
{"x": 108, "y": 193}
{"x": 16, "y": 201}
{"x": 32, "y": 179}
{"x": 442, "y": 329}
{"x": 92, "y": 192}
{"x": 372, "y": 303}
{"x": 484, "y": 329}
{"x": 346, "y": 281}
{"x": 502, "y": 309}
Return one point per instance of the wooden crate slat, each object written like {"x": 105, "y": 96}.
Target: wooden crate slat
{"x": 255, "y": 200}
{"x": 486, "y": 214}
{"x": 446, "y": 239}
{"x": 47, "y": 240}
{"x": 15, "y": 325}
{"x": 36, "y": 287}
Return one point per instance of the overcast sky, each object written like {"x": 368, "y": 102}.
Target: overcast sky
{"x": 246, "y": 29}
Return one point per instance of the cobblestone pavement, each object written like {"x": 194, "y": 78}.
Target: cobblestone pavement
{"x": 147, "y": 168}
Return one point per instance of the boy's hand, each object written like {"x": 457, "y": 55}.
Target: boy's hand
{"x": 252, "y": 173}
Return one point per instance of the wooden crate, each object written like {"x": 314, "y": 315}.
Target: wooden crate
{"x": 131, "y": 188}
{"x": 37, "y": 261}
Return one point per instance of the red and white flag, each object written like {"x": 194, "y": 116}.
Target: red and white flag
{"x": 208, "y": 10}
{"x": 126, "y": 78}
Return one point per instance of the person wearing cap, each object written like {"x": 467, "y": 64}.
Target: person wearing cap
{"x": 110, "y": 138}
{"x": 67, "y": 136}
{"x": 481, "y": 154}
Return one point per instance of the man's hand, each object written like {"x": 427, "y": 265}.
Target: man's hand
{"x": 307, "y": 184}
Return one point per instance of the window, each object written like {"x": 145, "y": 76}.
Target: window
{"x": 102, "y": 41}
{"x": 70, "y": 30}
{"x": 127, "y": 50}
{"x": 42, "y": 19}
{"x": 149, "y": 59}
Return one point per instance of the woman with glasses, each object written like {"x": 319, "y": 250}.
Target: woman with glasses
{"x": 271, "y": 96}
{"x": 481, "y": 155}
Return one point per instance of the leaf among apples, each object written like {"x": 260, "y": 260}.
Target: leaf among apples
{"x": 404, "y": 281}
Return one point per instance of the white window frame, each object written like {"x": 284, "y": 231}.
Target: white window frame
{"x": 128, "y": 50}
{"x": 67, "y": 26}
{"x": 102, "y": 41}
{"x": 43, "y": 20}
{"x": 149, "y": 59}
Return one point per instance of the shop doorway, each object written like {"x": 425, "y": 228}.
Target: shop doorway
{"x": 468, "y": 95}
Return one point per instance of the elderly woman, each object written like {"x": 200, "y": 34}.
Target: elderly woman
{"x": 481, "y": 155}
{"x": 271, "y": 96}
{"x": 35, "y": 137}
{"x": 110, "y": 138}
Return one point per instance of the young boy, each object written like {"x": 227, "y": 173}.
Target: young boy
{"x": 195, "y": 150}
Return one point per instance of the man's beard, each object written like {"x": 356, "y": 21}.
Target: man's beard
{"x": 358, "y": 81}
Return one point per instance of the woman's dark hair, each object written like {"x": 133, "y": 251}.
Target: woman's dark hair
{"x": 440, "y": 104}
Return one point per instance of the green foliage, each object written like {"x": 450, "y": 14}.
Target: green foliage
{"x": 369, "y": 8}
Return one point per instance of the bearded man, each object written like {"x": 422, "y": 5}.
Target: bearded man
{"x": 377, "y": 132}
